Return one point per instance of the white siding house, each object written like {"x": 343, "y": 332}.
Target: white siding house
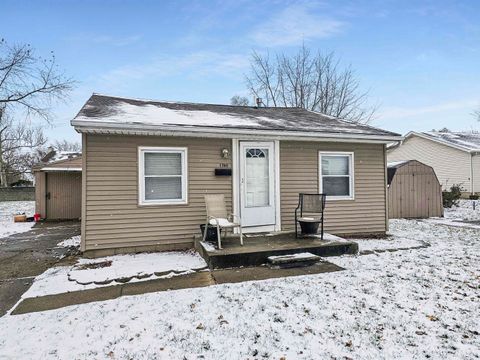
{"x": 455, "y": 157}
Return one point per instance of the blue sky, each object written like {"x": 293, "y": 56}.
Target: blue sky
{"x": 420, "y": 59}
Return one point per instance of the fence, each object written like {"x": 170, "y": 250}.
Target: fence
{"x": 24, "y": 193}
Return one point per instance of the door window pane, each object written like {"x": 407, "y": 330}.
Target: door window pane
{"x": 257, "y": 179}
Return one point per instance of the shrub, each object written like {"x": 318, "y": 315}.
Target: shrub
{"x": 450, "y": 198}
{"x": 473, "y": 197}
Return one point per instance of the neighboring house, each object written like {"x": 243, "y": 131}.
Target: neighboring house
{"x": 58, "y": 185}
{"x": 455, "y": 156}
{"x": 147, "y": 165}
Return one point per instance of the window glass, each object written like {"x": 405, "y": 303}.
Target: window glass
{"x": 336, "y": 179}
{"x": 163, "y": 173}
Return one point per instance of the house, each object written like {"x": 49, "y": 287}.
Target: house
{"x": 147, "y": 165}
{"x": 58, "y": 185}
{"x": 455, "y": 156}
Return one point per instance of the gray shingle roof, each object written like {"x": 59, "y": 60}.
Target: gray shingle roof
{"x": 468, "y": 140}
{"x": 123, "y": 112}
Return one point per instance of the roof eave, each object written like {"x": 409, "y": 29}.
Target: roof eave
{"x": 443, "y": 142}
{"x": 200, "y": 131}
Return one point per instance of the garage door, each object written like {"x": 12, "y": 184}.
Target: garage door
{"x": 64, "y": 195}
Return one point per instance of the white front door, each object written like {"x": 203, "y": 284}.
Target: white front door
{"x": 257, "y": 183}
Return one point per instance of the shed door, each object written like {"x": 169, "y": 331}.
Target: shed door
{"x": 64, "y": 195}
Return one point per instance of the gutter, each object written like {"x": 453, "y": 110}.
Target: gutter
{"x": 210, "y": 132}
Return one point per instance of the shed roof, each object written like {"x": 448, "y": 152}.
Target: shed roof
{"x": 72, "y": 163}
{"x": 109, "y": 113}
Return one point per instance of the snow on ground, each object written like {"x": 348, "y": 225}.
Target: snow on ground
{"x": 405, "y": 304}
{"x": 464, "y": 211}
{"x": 10, "y": 208}
{"x": 145, "y": 266}
{"x": 461, "y": 215}
{"x": 135, "y": 265}
{"x": 74, "y": 241}
{"x": 393, "y": 242}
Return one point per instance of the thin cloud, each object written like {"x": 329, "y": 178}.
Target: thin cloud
{"x": 103, "y": 39}
{"x": 116, "y": 41}
{"x": 407, "y": 112}
{"x": 295, "y": 24}
{"x": 197, "y": 64}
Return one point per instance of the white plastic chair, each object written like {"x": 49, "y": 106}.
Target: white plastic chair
{"x": 218, "y": 216}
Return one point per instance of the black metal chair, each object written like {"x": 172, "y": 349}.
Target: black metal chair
{"x": 314, "y": 206}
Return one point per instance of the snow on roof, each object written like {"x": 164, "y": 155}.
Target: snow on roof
{"x": 467, "y": 140}
{"x": 394, "y": 164}
{"x": 63, "y": 155}
{"x": 121, "y": 113}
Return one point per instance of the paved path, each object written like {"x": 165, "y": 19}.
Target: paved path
{"x": 26, "y": 255}
{"x": 197, "y": 279}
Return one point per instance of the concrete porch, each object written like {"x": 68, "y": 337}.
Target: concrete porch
{"x": 258, "y": 247}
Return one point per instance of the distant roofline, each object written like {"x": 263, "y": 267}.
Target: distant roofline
{"x": 441, "y": 141}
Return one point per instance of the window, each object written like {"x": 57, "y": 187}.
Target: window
{"x": 336, "y": 175}
{"x": 163, "y": 175}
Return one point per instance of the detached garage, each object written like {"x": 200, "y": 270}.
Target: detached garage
{"x": 414, "y": 191}
{"x": 58, "y": 189}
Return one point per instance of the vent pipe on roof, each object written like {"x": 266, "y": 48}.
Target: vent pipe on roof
{"x": 258, "y": 102}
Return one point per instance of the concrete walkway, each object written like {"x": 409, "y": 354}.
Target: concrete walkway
{"x": 198, "y": 279}
{"x": 26, "y": 255}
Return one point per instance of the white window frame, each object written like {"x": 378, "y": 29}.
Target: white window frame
{"x": 183, "y": 151}
{"x": 351, "y": 168}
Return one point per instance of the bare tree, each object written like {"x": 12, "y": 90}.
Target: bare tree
{"x": 28, "y": 81}
{"x": 29, "y": 84}
{"x": 239, "y": 100}
{"x": 20, "y": 148}
{"x": 314, "y": 82}
{"x": 65, "y": 145}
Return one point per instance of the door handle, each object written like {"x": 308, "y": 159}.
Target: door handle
{"x": 48, "y": 196}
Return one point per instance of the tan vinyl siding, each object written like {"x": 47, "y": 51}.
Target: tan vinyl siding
{"x": 299, "y": 173}
{"x": 451, "y": 165}
{"x": 113, "y": 217}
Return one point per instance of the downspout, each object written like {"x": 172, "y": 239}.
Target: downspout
{"x": 385, "y": 177}
{"x": 471, "y": 174}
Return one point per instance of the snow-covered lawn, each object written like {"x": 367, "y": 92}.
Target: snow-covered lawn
{"x": 461, "y": 215}
{"x": 140, "y": 266}
{"x": 114, "y": 270}
{"x": 10, "y": 208}
{"x": 396, "y": 305}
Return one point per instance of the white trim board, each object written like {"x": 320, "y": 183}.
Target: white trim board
{"x": 240, "y": 134}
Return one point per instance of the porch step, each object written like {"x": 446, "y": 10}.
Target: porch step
{"x": 293, "y": 260}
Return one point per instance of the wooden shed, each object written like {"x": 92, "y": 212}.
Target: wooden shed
{"x": 414, "y": 191}
{"x": 58, "y": 189}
